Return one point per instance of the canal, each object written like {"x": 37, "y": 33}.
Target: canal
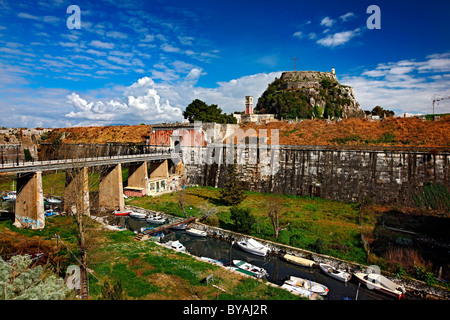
{"x": 278, "y": 269}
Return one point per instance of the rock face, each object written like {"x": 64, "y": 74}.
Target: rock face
{"x": 306, "y": 94}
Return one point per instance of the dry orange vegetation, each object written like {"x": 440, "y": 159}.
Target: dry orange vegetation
{"x": 404, "y": 132}
{"x": 133, "y": 134}
{"x": 398, "y": 132}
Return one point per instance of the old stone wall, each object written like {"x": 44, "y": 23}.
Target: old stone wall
{"x": 382, "y": 176}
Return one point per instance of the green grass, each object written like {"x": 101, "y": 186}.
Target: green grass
{"x": 305, "y": 219}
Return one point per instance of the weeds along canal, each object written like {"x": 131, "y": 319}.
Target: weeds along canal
{"x": 278, "y": 269}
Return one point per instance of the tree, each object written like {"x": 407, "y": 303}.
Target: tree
{"x": 198, "y": 110}
{"x": 20, "y": 282}
{"x": 379, "y": 111}
{"x": 242, "y": 218}
{"x": 275, "y": 209}
{"x": 233, "y": 192}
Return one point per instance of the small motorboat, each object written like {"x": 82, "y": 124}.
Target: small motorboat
{"x": 49, "y": 213}
{"x": 122, "y": 213}
{"x": 254, "y": 247}
{"x": 250, "y": 269}
{"x": 335, "y": 273}
{"x": 380, "y": 283}
{"x": 213, "y": 261}
{"x": 137, "y": 215}
{"x": 298, "y": 260}
{"x": 10, "y": 196}
{"x": 54, "y": 200}
{"x": 156, "y": 219}
{"x": 196, "y": 232}
{"x": 296, "y": 290}
{"x": 179, "y": 226}
{"x": 306, "y": 284}
{"x": 176, "y": 245}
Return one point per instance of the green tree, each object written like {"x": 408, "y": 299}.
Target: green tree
{"x": 242, "y": 218}
{"x": 20, "y": 282}
{"x": 379, "y": 111}
{"x": 198, "y": 110}
{"x": 233, "y": 193}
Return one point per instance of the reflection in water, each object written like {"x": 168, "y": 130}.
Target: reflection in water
{"x": 278, "y": 269}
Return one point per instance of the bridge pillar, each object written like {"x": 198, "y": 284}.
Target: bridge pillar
{"x": 138, "y": 176}
{"x": 29, "y": 208}
{"x": 159, "y": 169}
{"x": 110, "y": 192}
{"x": 76, "y": 193}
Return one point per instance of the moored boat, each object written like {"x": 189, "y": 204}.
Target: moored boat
{"x": 196, "y": 232}
{"x": 250, "y": 269}
{"x": 53, "y": 200}
{"x": 296, "y": 290}
{"x": 10, "y": 196}
{"x": 306, "y": 284}
{"x": 335, "y": 273}
{"x": 177, "y": 245}
{"x": 254, "y": 247}
{"x": 155, "y": 219}
{"x": 382, "y": 284}
{"x": 137, "y": 215}
{"x": 179, "y": 226}
{"x": 298, "y": 260}
{"x": 122, "y": 213}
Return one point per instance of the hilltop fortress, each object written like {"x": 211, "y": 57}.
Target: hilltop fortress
{"x": 309, "y": 94}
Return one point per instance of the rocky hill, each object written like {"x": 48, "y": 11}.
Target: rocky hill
{"x": 308, "y": 94}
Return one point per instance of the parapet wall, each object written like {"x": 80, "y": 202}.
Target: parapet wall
{"x": 382, "y": 176}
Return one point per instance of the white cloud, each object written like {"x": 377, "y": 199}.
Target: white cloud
{"x": 339, "y": 38}
{"x": 141, "y": 103}
{"x": 298, "y": 34}
{"x": 406, "y": 86}
{"x": 102, "y": 45}
{"x": 327, "y": 22}
{"x": 347, "y": 16}
{"x": 116, "y": 35}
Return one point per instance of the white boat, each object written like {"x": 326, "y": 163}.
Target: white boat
{"x": 196, "y": 232}
{"x": 137, "y": 215}
{"x": 54, "y": 200}
{"x": 335, "y": 273}
{"x": 213, "y": 261}
{"x": 156, "y": 219}
{"x": 254, "y": 247}
{"x": 380, "y": 283}
{"x": 250, "y": 269}
{"x": 10, "y": 196}
{"x": 306, "y": 284}
{"x": 180, "y": 226}
{"x": 298, "y": 260}
{"x": 176, "y": 245}
{"x": 297, "y": 290}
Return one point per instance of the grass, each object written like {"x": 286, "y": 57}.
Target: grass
{"x": 305, "y": 219}
{"x": 146, "y": 270}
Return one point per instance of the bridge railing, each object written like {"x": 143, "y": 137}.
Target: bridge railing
{"x": 21, "y": 162}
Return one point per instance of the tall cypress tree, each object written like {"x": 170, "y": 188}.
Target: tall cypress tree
{"x": 233, "y": 192}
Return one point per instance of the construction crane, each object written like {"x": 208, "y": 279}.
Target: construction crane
{"x": 437, "y": 99}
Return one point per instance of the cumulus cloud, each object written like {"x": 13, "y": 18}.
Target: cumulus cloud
{"x": 327, "y": 22}
{"x": 142, "y": 103}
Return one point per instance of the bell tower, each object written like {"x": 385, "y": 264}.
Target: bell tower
{"x": 248, "y": 105}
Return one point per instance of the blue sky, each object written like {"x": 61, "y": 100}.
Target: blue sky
{"x": 145, "y": 61}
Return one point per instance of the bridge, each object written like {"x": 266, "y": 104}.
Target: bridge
{"x": 29, "y": 203}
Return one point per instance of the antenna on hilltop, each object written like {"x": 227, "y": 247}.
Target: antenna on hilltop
{"x": 295, "y": 58}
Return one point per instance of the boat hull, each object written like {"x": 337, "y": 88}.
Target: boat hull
{"x": 298, "y": 260}
{"x": 340, "y": 275}
{"x": 254, "y": 251}
{"x": 195, "y": 232}
{"x": 379, "y": 286}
